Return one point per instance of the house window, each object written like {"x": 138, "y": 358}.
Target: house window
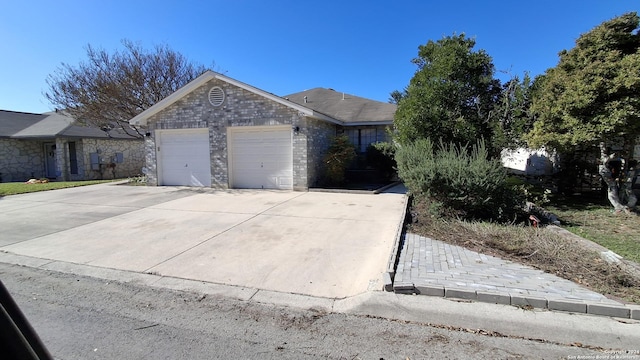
{"x": 73, "y": 158}
{"x": 361, "y": 138}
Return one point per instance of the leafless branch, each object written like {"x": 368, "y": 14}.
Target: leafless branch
{"x": 112, "y": 88}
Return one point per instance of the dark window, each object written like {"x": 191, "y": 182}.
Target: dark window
{"x": 361, "y": 138}
{"x": 73, "y": 158}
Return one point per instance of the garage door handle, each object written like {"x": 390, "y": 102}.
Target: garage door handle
{"x": 186, "y": 165}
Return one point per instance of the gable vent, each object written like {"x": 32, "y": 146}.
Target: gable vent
{"x": 216, "y": 96}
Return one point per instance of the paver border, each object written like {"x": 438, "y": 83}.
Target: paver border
{"x": 398, "y": 243}
{"x": 517, "y": 299}
{"x": 622, "y": 311}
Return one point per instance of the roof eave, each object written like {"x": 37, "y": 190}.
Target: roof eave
{"x": 323, "y": 117}
{"x": 303, "y": 109}
{"x": 142, "y": 118}
{"x": 32, "y": 137}
{"x": 367, "y": 123}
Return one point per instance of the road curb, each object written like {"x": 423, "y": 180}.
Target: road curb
{"x": 622, "y": 311}
{"x": 508, "y": 321}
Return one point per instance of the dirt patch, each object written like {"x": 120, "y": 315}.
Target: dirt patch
{"x": 540, "y": 248}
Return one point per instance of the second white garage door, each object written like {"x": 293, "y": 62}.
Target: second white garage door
{"x": 261, "y": 157}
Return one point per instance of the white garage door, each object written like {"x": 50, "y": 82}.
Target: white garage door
{"x": 183, "y": 157}
{"x": 261, "y": 157}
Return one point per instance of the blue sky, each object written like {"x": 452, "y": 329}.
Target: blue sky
{"x": 362, "y": 48}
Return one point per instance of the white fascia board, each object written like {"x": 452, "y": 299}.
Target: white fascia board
{"x": 302, "y": 109}
{"x": 323, "y": 117}
{"x": 141, "y": 119}
{"x": 367, "y": 123}
{"x": 270, "y": 96}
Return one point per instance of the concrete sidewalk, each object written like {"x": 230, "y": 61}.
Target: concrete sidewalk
{"x": 431, "y": 267}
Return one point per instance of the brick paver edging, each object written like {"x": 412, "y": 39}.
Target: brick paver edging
{"x": 430, "y": 267}
{"x": 576, "y": 306}
{"x": 394, "y": 257}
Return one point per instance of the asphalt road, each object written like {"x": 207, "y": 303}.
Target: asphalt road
{"x": 81, "y": 317}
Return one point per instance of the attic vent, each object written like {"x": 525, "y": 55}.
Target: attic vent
{"x": 216, "y": 96}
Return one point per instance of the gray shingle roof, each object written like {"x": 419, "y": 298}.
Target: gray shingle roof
{"x": 347, "y": 108}
{"x": 12, "y": 122}
{"x": 20, "y": 125}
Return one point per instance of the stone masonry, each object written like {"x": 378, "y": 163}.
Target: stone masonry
{"x": 132, "y": 159}
{"x": 21, "y": 160}
{"x": 240, "y": 108}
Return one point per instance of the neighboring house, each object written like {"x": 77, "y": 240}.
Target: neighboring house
{"x": 54, "y": 146}
{"x": 539, "y": 162}
{"x": 222, "y": 133}
{"x": 529, "y": 162}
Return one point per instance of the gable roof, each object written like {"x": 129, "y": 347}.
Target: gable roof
{"x": 322, "y": 104}
{"x": 12, "y": 122}
{"x": 349, "y": 109}
{"x": 21, "y": 125}
{"x": 143, "y": 117}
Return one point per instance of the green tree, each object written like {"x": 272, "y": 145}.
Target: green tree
{"x": 451, "y": 97}
{"x": 593, "y": 94}
{"x": 396, "y": 96}
{"x": 109, "y": 89}
{"x": 514, "y": 117}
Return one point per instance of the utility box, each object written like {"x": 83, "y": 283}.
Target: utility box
{"x": 95, "y": 161}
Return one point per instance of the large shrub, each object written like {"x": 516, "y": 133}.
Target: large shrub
{"x": 381, "y": 157}
{"x": 457, "y": 180}
{"x": 339, "y": 156}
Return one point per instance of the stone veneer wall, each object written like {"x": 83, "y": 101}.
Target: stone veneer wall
{"x": 133, "y": 152}
{"x": 21, "y": 160}
{"x": 150, "y": 168}
{"x": 240, "y": 108}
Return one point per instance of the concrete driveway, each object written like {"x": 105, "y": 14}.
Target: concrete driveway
{"x": 321, "y": 244}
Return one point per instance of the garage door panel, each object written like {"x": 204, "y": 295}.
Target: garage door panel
{"x": 261, "y": 158}
{"x": 184, "y": 158}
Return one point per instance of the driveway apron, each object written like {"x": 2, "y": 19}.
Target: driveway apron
{"x": 321, "y": 244}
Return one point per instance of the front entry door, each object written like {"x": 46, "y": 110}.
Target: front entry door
{"x": 50, "y": 160}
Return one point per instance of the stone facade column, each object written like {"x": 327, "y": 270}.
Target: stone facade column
{"x": 62, "y": 167}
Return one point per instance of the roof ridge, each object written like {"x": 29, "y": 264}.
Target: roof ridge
{"x": 338, "y": 92}
{"x": 22, "y": 112}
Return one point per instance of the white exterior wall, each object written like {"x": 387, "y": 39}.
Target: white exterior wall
{"x": 531, "y": 162}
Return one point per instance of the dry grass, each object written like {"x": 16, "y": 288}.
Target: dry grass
{"x": 536, "y": 247}
{"x": 592, "y": 218}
